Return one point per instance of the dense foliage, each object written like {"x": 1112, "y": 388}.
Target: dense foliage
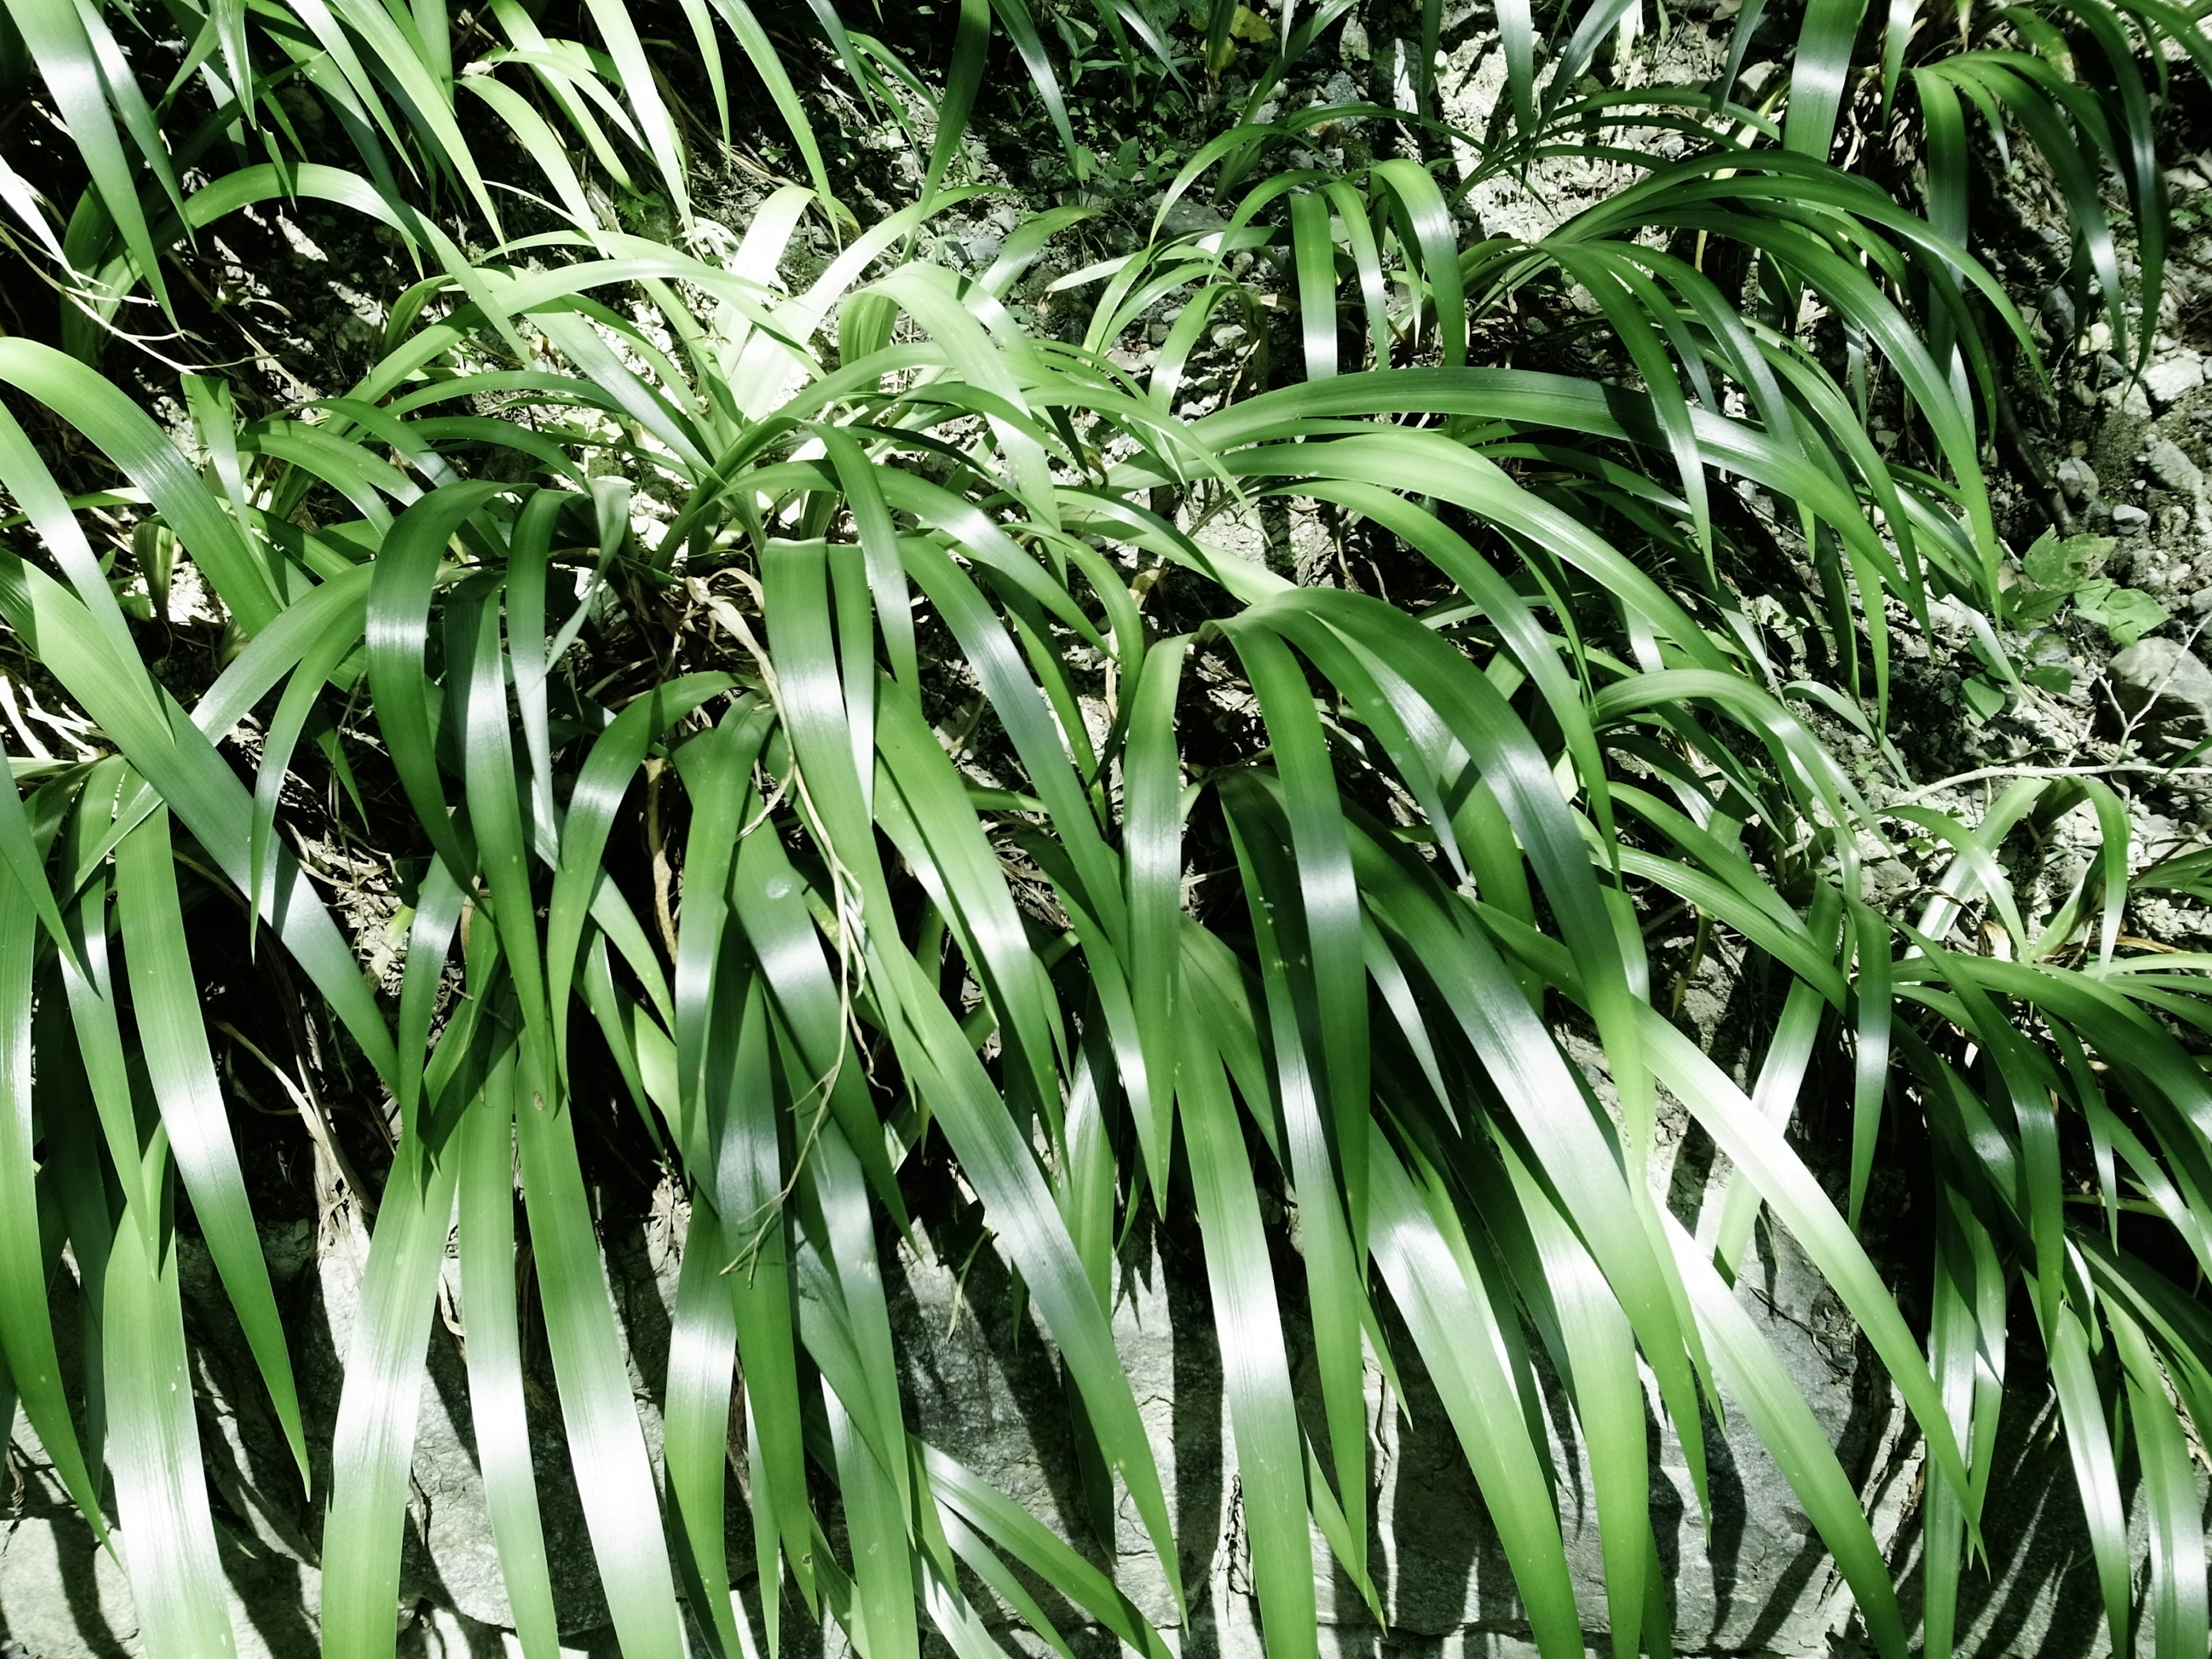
{"x": 803, "y": 700}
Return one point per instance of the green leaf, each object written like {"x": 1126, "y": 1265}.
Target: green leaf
{"x": 1447, "y": 1304}
{"x": 498, "y": 1413}
{"x": 27, "y": 1334}
{"x": 2177, "y": 1525}
{"x": 165, "y": 994}
{"x": 1255, "y": 1365}
{"x": 1817, "y": 76}
{"x": 99, "y": 409}
{"x": 605, "y": 1444}
{"x": 2065, "y": 564}
{"x": 154, "y": 1448}
{"x": 702, "y": 1351}
{"x": 182, "y": 766}
{"x": 2126, "y": 613}
{"x": 54, "y": 32}
{"x": 970, "y": 46}
{"x": 1153, "y": 859}
{"x": 1986, "y": 698}
{"x": 374, "y": 1445}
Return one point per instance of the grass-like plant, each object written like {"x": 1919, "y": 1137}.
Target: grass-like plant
{"x": 896, "y": 931}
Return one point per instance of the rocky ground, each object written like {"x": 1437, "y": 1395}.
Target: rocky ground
{"x": 982, "y": 1386}
{"x": 2107, "y": 455}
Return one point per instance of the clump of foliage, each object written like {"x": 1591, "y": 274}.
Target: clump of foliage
{"x": 802, "y": 526}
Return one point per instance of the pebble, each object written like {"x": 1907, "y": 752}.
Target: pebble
{"x": 2077, "y": 479}
{"x": 2128, "y": 519}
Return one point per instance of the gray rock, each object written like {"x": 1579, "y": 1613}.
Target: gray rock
{"x": 60, "y": 1592}
{"x": 1189, "y": 217}
{"x": 2077, "y": 479}
{"x": 2129, "y": 400}
{"x": 2165, "y": 691}
{"x": 2174, "y": 378}
{"x": 2059, "y": 315}
{"x": 2173, "y": 470}
{"x": 2128, "y": 519}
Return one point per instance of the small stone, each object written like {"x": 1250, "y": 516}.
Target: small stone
{"x": 2128, "y": 519}
{"x": 2200, "y": 602}
{"x": 2175, "y": 377}
{"x": 1352, "y": 45}
{"x": 2077, "y": 479}
{"x": 2172, "y": 469}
